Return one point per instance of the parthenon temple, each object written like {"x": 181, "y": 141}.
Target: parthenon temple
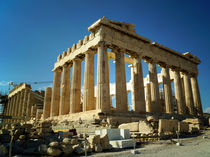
{"x": 112, "y": 40}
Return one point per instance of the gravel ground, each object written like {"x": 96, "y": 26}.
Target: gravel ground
{"x": 192, "y": 147}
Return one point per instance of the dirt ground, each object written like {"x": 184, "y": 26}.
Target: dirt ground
{"x": 191, "y": 147}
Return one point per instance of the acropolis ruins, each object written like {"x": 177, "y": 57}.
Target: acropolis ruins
{"x": 64, "y": 99}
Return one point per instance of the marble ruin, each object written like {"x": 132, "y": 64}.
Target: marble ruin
{"x": 63, "y": 100}
{"x": 23, "y": 103}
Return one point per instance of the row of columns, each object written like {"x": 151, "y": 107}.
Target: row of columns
{"x": 65, "y": 97}
{"x": 19, "y": 104}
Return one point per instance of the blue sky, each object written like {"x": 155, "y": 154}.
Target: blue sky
{"x": 34, "y": 32}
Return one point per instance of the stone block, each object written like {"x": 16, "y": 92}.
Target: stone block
{"x": 145, "y": 127}
{"x": 128, "y": 143}
{"x": 183, "y": 127}
{"x": 125, "y": 133}
{"x": 168, "y": 126}
{"x": 193, "y": 120}
{"x": 94, "y": 139}
{"x": 133, "y": 127}
{"x": 104, "y": 141}
{"x": 114, "y": 134}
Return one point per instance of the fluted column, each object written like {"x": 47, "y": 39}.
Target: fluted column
{"x": 188, "y": 94}
{"x": 103, "y": 96}
{"x": 75, "y": 86}
{"x": 30, "y": 103}
{"x": 11, "y": 107}
{"x": 20, "y": 109}
{"x": 47, "y": 102}
{"x": 169, "y": 108}
{"x": 17, "y": 104}
{"x": 25, "y": 100}
{"x": 179, "y": 93}
{"x": 196, "y": 95}
{"x": 54, "y": 111}
{"x": 155, "y": 97}
{"x": 121, "y": 91}
{"x": 64, "y": 100}
{"x": 88, "y": 94}
{"x": 138, "y": 87}
{"x": 148, "y": 98}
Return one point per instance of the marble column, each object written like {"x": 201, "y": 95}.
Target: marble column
{"x": 30, "y": 103}
{"x": 169, "y": 108}
{"x": 54, "y": 111}
{"x": 88, "y": 94}
{"x": 11, "y": 107}
{"x": 47, "y": 102}
{"x": 196, "y": 95}
{"x": 155, "y": 97}
{"x": 121, "y": 91}
{"x": 148, "y": 98}
{"x": 188, "y": 94}
{"x": 103, "y": 93}
{"x": 25, "y": 100}
{"x": 179, "y": 93}
{"x": 138, "y": 87}
{"x": 64, "y": 99}
{"x": 17, "y": 104}
{"x": 75, "y": 87}
{"x": 20, "y": 110}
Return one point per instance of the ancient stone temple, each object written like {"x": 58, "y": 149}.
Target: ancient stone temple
{"x": 111, "y": 40}
{"x": 23, "y": 103}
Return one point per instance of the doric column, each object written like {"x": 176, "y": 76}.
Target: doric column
{"x": 20, "y": 109}
{"x": 179, "y": 93}
{"x": 64, "y": 100}
{"x": 196, "y": 95}
{"x": 47, "y": 102}
{"x": 11, "y": 107}
{"x": 75, "y": 87}
{"x": 8, "y": 106}
{"x": 54, "y": 111}
{"x": 188, "y": 94}
{"x": 169, "y": 108}
{"x": 155, "y": 97}
{"x": 25, "y": 100}
{"x": 88, "y": 94}
{"x": 30, "y": 103}
{"x": 148, "y": 97}
{"x": 17, "y": 104}
{"x": 121, "y": 91}
{"x": 138, "y": 86}
{"x": 103, "y": 96}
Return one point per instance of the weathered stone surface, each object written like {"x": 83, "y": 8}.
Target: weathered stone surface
{"x": 74, "y": 141}
{"x": 94, "y": 139}
{"x": 78, "y": 149}
{"x": 183, "y": 127}
{"x": 98, "y": 148}
{"x": 152, "y": 118}
{"x": 66, "y": 141}
{"x": 133, "y": 127}
{"x": 167, "y": 125}
{"x": 193, "y": 120}
{"x": 104, "y": 141}
{"x": 53, "y": 151}
{"x": 53, "y": 144}
{"x": 67, "y": 149}
{"x": 128, "y": 143}
{"x": 145, "y": 127}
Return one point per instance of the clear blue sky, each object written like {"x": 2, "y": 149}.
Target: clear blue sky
{"x": 34, "y": 32}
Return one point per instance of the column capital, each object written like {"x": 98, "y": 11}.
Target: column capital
{"x": 101, "y": 43}
{"x": 150, "y": 60}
